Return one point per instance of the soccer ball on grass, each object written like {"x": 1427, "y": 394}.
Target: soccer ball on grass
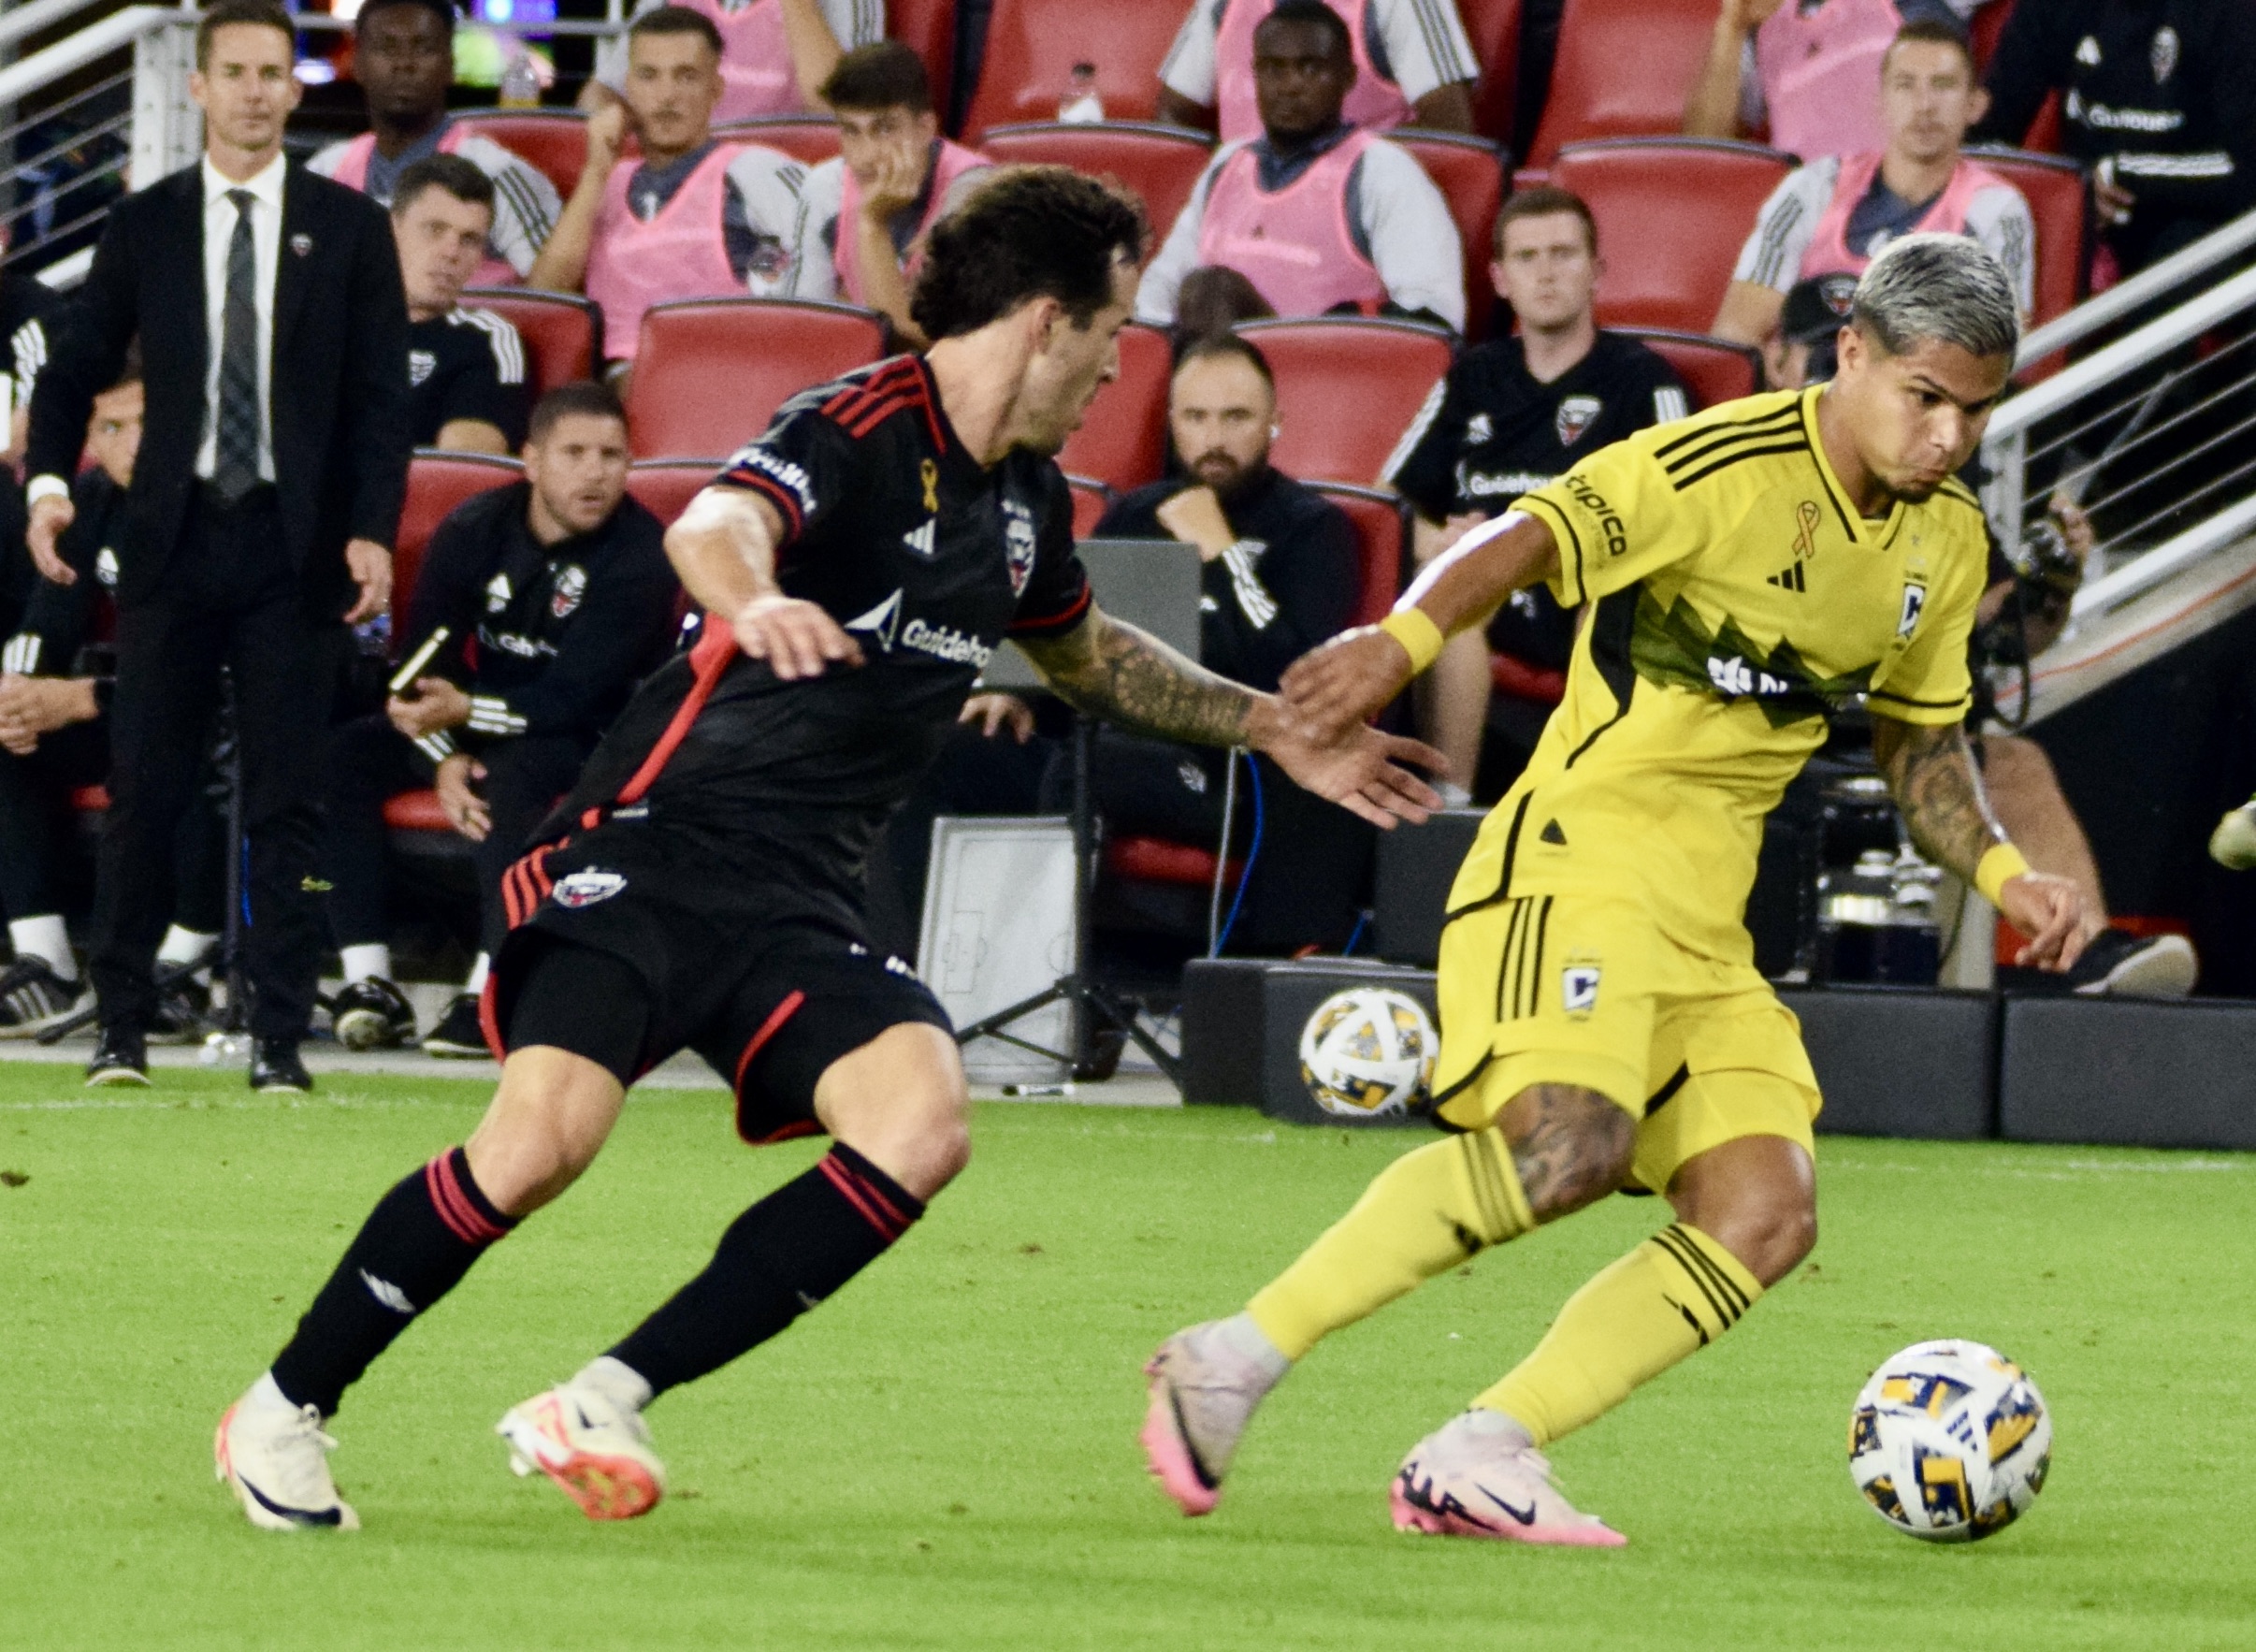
{"x": 1368, "y": 1053}
{"x": 1950, "y": 1442}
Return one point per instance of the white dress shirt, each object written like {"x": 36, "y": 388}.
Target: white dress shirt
{"x": 266, "y": 187}
{"x": 266, "y": 239}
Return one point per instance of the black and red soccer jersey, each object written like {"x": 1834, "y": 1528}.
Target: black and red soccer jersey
{"x": 926, "y": 557}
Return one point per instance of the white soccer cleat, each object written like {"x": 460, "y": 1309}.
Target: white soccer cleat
{"x": 1470, "y": 1479}
{"x": 598, "y": 1451}
{"x": 2233, "y": 844}
{"x": 276, "y": 1459}
{"x": 1204, "y": 1389}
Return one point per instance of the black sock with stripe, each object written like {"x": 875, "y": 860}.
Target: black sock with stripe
{"x": 416, "y": 1246}
{"x": 781, "y": 1257}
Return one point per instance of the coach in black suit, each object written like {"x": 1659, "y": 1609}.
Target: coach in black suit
{"x": 272, "y": 465}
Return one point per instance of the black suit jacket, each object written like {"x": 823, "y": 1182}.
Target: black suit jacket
{"x": 339, "y": 386}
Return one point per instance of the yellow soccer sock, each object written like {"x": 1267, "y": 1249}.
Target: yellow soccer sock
{"x": 1424, "y": 1213}
{"x": 1673, "y": 1295}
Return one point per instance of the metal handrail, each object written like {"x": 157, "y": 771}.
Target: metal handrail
{"x": 20, "y": 22}
{"x": 72, "y": 53}
{"x": 2143, "y": 288}
{"x": 2142, "y": 574}
{"x": 2166, "y": 333}
{"x": 322, "y": 22}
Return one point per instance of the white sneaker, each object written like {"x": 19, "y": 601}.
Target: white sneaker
{"x": 1204, "y": 1388}
{"x": 2233, "y": 844}
{"x": 596, "y": 1449}
{"x": 1470, "y": 1478}
{"x": 275, "y": 1458}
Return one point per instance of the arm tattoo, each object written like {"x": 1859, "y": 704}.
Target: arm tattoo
{"x": 1111, "y": 670}
{"x": 1569, "y": 1146}
{"x": 1931, "y": 774}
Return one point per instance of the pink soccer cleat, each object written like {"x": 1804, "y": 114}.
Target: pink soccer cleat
{"x": 1469, "y": 1478}
{"x": 1204, "y": 1389}
{"x": 599, "y": 1451}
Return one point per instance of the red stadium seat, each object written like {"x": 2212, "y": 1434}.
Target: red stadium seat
{"x": 563, "y": 333}
{"x": 1382, "y": 528}
{"x": 1493, "y": 27}
{"x": 1032, "y": 46}
{"x": 1123, "y": 440}
{"x": 1346, "y": 390}
{"x": 1159, "y": 162}
{"x": 1469, "y": 172}
{"x": 555, "y": 141}
{"x": 928, "y": 28}
{"x": 2059, "y": 197}
{"x": 1673, "y": 214}
{"x": 1624, "y": 69}
{"x": 417, "y": 811}
{"x": 710, "y": 372}
{"x": 1090, "y": 499}
{"x": 437, "y": 482}
{"x": 803, "y": 137}
{"x": 664, "y": 487}
{"x": 1712, "y": 369}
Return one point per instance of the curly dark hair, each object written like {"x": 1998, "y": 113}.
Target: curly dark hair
{"x": 1026, "y": 232}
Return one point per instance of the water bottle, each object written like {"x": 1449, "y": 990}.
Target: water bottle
{"x": 521, "y": 82}
{"x": 1080, "y": 106}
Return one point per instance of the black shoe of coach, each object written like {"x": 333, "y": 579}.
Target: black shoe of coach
{"x": 121, "y": 1057}
{"x": 276, "y": 1070}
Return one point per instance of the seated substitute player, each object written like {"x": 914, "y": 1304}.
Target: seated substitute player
{"x": 857, "y": 564}
{"x": 561, "y": 583}
{"x": 1511, "y": 415}
{"x": 466, "y": 366}
{"x": 55, "y": 738}
{"x": 863, "y": 215}
{"x": 1414, "y": 67}
{"x": 1604, "y": 1025}
{"x": 1830, "y": 216}
{"x": 28, "y": 307}
{"x": 775, "y": 54}
{"x": 1808, "y": 69}
{"x": 1318, "y": 215}
{"x": 403, "y": 56}
{"x": 693, "y": 218}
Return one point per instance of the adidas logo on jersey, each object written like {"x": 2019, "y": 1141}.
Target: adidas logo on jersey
{"x": 1789, "y": 578}
{"x": 921, "y": 541}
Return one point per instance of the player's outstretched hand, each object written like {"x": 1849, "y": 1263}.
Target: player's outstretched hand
{"x": 1359, "y": 770}
{"x": 797, "y": 638}
{"x": 2049, "y": 910}
{"x": 1347, "y": 681}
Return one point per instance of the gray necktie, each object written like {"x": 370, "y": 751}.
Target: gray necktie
{"x": 235, "y": 470}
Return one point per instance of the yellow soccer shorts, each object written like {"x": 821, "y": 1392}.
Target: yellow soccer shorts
{"x": 1585, "y": 989}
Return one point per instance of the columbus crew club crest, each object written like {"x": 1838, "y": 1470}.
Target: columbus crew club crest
{"x": 1577, "y": 413}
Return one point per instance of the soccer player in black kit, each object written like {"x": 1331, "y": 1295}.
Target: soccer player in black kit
{"x": 701, "y": 887}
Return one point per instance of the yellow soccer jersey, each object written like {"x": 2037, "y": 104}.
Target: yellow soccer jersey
{"x": 1735, "y": 595}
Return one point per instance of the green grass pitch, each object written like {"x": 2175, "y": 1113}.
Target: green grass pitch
{"x": 944, "y": 1456}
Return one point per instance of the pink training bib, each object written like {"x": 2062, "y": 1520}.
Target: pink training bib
{"x": 1374, "y": 103}
{"x": 353, "y": 172}
{"x": 680, "y": 254}
{"x": 953, "y": 161}
{"x": 1297, "y": 246}
{"x": 756, "y": 61}
{"x": 1830, "y": 252}
{"x": 1821, "y": 75}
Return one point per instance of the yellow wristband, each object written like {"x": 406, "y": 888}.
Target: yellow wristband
{"x": 1999, "y": 865}
{"x": 1420, "y": 637}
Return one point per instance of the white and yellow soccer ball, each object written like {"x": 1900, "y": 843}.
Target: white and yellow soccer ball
{"x": 1950, "y": 1442}
{"x": 1368, "y": 1053}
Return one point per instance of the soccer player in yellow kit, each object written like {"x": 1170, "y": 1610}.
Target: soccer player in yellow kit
{"x": 1603, "y": 1026}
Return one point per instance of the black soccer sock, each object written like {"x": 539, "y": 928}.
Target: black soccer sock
{"x": 777, "y": 1260}
{"x": 416, "y": 1246}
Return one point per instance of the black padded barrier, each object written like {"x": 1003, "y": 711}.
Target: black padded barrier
{"x": 2127, "y": 1073}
